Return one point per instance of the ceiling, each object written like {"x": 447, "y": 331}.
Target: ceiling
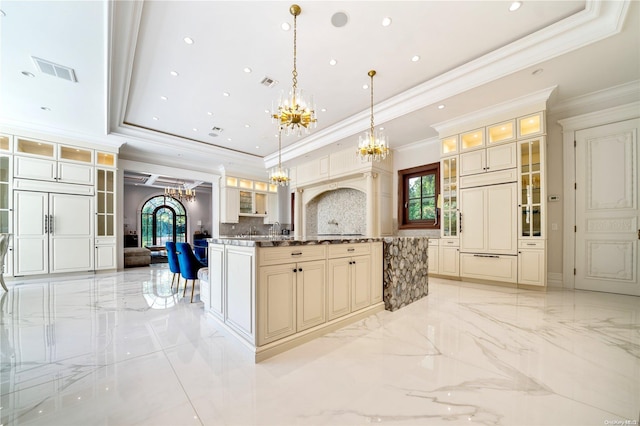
{"x": 472, "y": 54}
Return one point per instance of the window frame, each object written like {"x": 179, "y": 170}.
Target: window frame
{"x": 403, "y": 196}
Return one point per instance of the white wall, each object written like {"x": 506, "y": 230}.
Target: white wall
{"x": 419, "y": 153}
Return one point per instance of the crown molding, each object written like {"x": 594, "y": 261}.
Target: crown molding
{"x": 600, "y": 19}
{"x": 417, "y": 144}
{"x": 609, "y": 115}
{"x": 624, "y": 93}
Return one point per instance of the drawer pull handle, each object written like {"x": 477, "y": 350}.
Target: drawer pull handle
{"x": 531, "y": 244}
{"x": 297, "y": 253}
{"x": 351, "y": 249}
{"x": 487, "y": 255}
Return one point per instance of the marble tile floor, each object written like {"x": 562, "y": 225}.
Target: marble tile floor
{"x": 123, "y": 349}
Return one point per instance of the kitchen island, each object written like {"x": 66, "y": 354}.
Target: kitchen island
{"x": 275, "y": 294}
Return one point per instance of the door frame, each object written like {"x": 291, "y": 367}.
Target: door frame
{"x": 569, "y": 128}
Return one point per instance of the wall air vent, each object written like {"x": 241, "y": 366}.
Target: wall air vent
{"x": 215, "y": 132}
{"x": 55, "y": 70}
{"x": 268, "y": 82}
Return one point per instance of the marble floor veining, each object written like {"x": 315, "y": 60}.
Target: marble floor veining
{"x": 123, "y": 349}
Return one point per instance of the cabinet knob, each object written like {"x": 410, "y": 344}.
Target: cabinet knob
{"x": 295, "y": 270}
{"x": 299, "y": 269}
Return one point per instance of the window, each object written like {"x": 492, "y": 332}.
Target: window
{"x": 418, "y": 190}
{"x": 163, "y": 219}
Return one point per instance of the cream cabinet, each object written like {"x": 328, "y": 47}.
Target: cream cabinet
{"x": 473, "y": 139}
{"x": 492, "y": 159}
{"x": 216, "y": 280}
{"x": 349, "y": 278}
{"x": 53, "y": 233}
{"x": 449, "y": 191}
{"x": 6, "y": 202}
{"x": 449, "y": 146}
{"x": 48, "y": 161}
{"x": 488, "y": 219}
{"x": 532, "y": 263}
{"x": 240, "y": 291}
{"x": 531, "y": 125}
{"x": 432, "y": 253}
{"x": 377, "y": 285}
{"x": 105, "y": 226}
{"x": 449, "y": 257}
{"x": 230, "y": 205}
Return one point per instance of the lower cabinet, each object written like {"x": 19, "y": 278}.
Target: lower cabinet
{"x": 105, "y": 255}
{"x": 532, "y": 264}
{"x": 216, "y": 280}
{"x": 489, "y": 267}
{"x": 432, "y": 253}
{"x": 311, "y": 294}
{"x": 449, "y": 257}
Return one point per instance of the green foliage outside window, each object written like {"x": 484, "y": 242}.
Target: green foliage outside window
{"x": 163, "y": 219}
{"x": 422, "y": 197}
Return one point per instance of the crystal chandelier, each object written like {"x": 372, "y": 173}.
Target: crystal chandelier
{"x": 180, "y": 192}
{"x": 295, "y": 112}
{"x": 278, "y": 175}
{"x": 373, "y": 145}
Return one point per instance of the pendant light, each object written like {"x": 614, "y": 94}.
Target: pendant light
{"x": 373, "y": 145}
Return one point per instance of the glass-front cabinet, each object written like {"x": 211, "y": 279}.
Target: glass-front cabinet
{"x": 531, "y": 188}
{"x": 105, "y": 254}
{"x": 449, "y": 192}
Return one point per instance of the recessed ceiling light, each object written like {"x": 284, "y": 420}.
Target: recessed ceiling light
{"x": 537, "y": 71}
{"x": 285, "y": 26}
{"x": 247, "y": 70}
{"x": 209, "y": 113}
{"x": 229, "y": 139}
{"x": 267, "y": 111}
{"x": 415, "y": 58}
{"x": 365, "y": 86}
{"x": 155, "y": 118}
{"x": 226, "y": 94}
{"x": 386, "y": 21}
{"x": 515, "y": 6}
{"x": 323, "y": 110}
{"x": 2, "y": 13}
{"x": 195, "y": 130}
{"x": 188, "y": 40}
{"x": 257, "y": 146}
{"x": 247, "y": 125}
{"x": 333, "y": 62}
{"x": 339, "y": 19}
{"x": 28, "y": 74}
{"x": 441, "y": 106}
{"x": 164, "y": 98}
{"x": 381, "y": 128}
{"x": 174, "y": 73}
{"x": 45, "y": 108}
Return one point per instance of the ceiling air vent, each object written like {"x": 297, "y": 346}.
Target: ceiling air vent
{"x": 215, "y": 132}
{"x": 268, "y": 82}
{"x": 55, "y": 70}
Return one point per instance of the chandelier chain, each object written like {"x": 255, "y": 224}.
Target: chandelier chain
{"x": 371, "y": 74}
{"x": 295, "y": 53}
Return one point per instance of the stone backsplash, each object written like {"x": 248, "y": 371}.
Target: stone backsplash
{"x": 341, "y": 211}
{"x": 405, "y": 268}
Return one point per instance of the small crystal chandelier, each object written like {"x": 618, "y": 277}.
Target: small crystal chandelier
{"x": 373, "y": 145}
{"x": 295, "y": 112}
{"x": 278, "y": 175}
{"x": 180, "y": 192}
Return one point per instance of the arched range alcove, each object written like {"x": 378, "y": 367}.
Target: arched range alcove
{"x": 340, "y": 211}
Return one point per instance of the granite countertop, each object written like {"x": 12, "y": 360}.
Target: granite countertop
{"x": 284, "y": 241}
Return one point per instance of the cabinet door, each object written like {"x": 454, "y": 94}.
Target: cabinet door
{"x": 34, "y": 168}
{"x": 449, "y": 261}
{"x": 272, "y": 209}
{"x": 339, "y": 292}
{"x": 216, "y": 279}
{"x": 31, "y": 238}
{"x": 360, "y": 282}
{"x": 532, "y": 267}
{"x": 230, "y": 205}
{"x": 472, "y": 220}
{"x": 311, "y": 294}
{"x": 75, "y": 173}
{"x": 240, "y": 294}
{"x": 473, "y": 162}
{"x": 276, "y": 302}
{"x": 502, "y": 157}
{"x": 377, "y": 284}
{"x": 71, "y": 232}
{"x": 502, "y": 219}
{"x": 105, "y": 257}
{"x": 432, "y": 253}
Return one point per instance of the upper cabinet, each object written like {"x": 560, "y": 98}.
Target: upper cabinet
{"x": 531, "y": 188}
{"x": 531, "y": 125}
{"x": 245, "y": 197}
{"x": 449, "y": 146}
{"x": 501, "y": 132}
{"x": 449, "y": 192}
{"x": 472, "y": 140}
{"x": 6, "y": 144}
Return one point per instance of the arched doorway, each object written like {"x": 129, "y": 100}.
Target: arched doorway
{"x": 163, "y": 219}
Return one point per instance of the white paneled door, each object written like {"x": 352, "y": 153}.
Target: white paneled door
{"x": 607, "y": 211}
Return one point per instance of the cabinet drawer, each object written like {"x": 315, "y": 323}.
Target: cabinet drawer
{"x": 344, "y": 250}
{"x": 531, "y": 244}
{"x": 105, "y": 240}
{"x": 278, "y": 255}
{"x": 489, "y": 267}
{"x": 449, "y": 242}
